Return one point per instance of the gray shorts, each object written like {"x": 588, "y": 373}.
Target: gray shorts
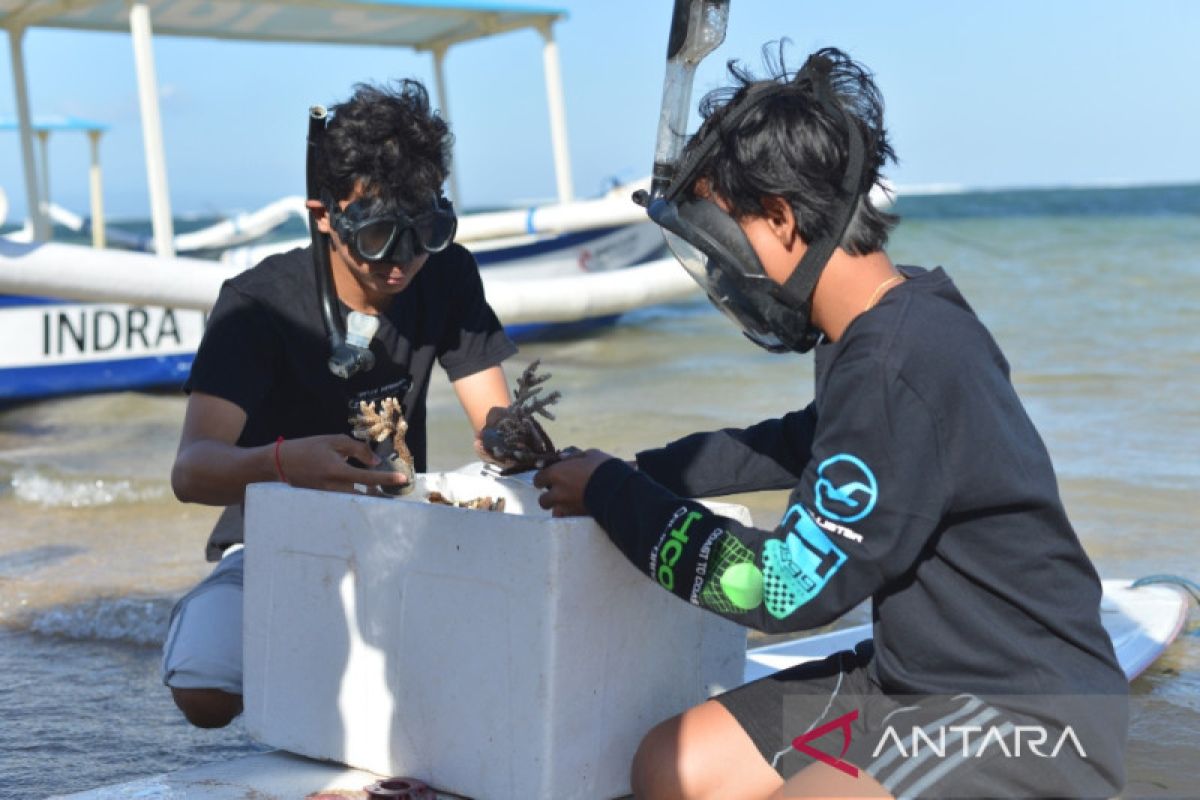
{"x": 203, "y": 649}
{"x": 927, "y": 746}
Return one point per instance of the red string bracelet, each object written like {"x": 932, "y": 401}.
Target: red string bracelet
{"x": 278, "y": 463}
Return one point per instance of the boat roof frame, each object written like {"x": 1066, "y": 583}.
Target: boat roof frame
{"x": 267, "y": 20}
{"x": 444, "y": 23}
{"x": 42, "y": 127}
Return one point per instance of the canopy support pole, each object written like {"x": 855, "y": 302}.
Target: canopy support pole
{"x": 558, "y": 116}
{"x": 43, "y": 138}
{"x": 156, "y": 162}
{"x": 37, "y": 215}
{"x": 96, "y": 191}
{"x": 439, "y": 83}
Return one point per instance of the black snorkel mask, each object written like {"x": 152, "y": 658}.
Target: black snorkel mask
{"x": 377, "y": 231}
{"x": 706, "y": 240}
{"x": 715, "y": 252}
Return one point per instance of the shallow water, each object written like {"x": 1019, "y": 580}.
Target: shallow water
{"x": 1095, "y": 307}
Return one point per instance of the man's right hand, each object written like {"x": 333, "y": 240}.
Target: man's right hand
{"x": 321, "y": 462}
{"x": 211, "y": 468}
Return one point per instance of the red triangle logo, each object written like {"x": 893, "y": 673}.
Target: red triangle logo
{"x": 842, "y": 723}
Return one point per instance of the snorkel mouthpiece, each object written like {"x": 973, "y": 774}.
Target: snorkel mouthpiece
{"x": 355, "y": 354}
{"x": 361, "y": 328}
{"x": 347, "y": 360}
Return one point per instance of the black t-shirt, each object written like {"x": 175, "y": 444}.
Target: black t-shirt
{"x": 918, "y": 481}
{"x": 265, "y": 348}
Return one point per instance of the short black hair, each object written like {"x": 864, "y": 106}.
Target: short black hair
{"x": 388, "y": 140}
{"x": 792, "y": 146}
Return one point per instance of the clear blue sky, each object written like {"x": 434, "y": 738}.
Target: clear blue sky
{"x": 1020, "y": 93}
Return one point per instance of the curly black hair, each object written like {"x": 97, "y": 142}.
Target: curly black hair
{"x": 387, "y": 141}
{"x": 792, "y": 146}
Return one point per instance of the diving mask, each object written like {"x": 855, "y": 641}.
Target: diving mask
{"x": 714, "y": 250}
{"x": 377, "y": 231}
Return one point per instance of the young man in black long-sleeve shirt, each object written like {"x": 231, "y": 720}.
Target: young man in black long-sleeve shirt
{"x": 917, "y": 478}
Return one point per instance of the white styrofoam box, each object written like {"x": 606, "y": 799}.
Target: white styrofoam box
{"x": 493, "y": 655}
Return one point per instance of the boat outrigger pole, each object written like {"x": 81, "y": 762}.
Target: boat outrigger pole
{"x": 36, "y": 211}
{"x": 697, "y": 28}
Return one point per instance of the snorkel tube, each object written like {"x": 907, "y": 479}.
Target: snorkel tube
{"x": 347, "y": 355}
{"x": 697, "y": 28}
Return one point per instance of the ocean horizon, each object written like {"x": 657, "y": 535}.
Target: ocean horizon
{"x": 932, "y": 200}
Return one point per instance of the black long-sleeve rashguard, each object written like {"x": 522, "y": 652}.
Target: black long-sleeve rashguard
{"x": 919, "y": 481}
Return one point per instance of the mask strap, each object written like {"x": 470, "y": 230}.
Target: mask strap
{"x": 688, "y": 171}
{"x": 799, "y": 286}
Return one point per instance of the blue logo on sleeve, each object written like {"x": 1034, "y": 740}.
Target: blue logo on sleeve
{"x": 846, "y": 489}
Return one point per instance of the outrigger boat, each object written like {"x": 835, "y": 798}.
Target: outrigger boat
{"x": 76, "y": 319}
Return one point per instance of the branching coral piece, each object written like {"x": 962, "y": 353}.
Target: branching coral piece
{"x": 529, "y": 385}
{"x": 372, "y": 425}
{"x": 479, "y": 503}
{"x": 383, "y": 425}
{"x": 513, "y": 435}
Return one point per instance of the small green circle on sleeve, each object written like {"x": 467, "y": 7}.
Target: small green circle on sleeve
{"x": 742, "y": 584}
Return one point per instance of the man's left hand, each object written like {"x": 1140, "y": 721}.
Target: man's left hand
{"x": 565, "y": 482}
{"x": 489, "y": 458}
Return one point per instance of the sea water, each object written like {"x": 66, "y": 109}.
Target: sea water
{"x": 1094, "y": 295}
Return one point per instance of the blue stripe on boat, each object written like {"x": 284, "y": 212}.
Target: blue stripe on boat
{"x": 94, "y": 376}
{"x": 559, "y": 242}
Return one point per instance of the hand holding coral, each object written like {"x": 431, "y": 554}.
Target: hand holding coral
{"x": 565, "y": 481}
{"x": 383, "y": 427}
{"x": 321, "y": 462}
{"x": 487, "y": 455}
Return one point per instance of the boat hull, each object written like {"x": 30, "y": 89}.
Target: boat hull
{"x": 51, "y": 347}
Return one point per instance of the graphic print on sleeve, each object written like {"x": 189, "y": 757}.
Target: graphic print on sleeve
{"x": 735, "y": 584}
{"x": 761, "y": 578}
{"x": 670, "y": 547}
{"x": 797, "y": 567}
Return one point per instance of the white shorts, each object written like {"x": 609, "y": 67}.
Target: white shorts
{"x": 203, "y": 649}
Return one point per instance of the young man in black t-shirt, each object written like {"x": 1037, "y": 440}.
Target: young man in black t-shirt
{"x": 264, "y": 405}
{"x": 918, "y": 482}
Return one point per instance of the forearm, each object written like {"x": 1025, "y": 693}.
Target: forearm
{"x": 769, "y": 455}
{"x": 216, "y": 473}
{"x": 773, "y": 581}
{"x": 479, "y": 393}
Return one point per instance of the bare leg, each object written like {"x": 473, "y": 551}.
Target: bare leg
{"x": 822, "y": 780}
{"x": 702, "y": 754}
{"x": 207, "y": 708}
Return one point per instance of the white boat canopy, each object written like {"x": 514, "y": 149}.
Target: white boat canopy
{"x": 431, "y": 26}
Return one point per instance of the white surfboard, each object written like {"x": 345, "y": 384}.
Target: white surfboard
{"x": 1141, "y": 623}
